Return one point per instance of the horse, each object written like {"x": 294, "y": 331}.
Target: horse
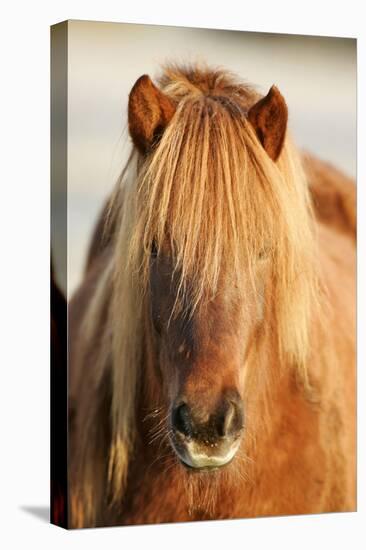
{"x": 212, "y": 339}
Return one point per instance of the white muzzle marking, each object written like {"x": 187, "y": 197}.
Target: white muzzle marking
{"x": 198, "y": 459}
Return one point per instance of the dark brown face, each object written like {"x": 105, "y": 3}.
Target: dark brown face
{"x": 202, "y": 356}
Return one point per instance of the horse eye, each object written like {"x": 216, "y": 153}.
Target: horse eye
{"x": 154, "y": 250}
{"x": 263, "y": 253}
{"x": 157, "y": 324}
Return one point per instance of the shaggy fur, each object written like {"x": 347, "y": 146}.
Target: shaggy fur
{"x": 203, "y": 186}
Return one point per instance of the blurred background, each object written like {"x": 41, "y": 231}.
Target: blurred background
{"x": 316, "y": 75}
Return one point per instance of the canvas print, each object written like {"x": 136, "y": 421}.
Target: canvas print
{"x": 203, "y": 274}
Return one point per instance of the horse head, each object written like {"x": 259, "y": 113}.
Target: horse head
{"x": 202, "y": 337}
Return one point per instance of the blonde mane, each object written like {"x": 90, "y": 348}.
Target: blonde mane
{"x": 210, "y": 190}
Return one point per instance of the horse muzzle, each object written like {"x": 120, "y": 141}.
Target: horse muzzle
{"x": 207, "y": 440}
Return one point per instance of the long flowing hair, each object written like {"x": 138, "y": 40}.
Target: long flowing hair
{"x": 210, "y": 188}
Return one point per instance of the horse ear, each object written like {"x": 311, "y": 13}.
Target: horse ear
{"x": 149, "y": 112}
{"x": 269, "y": 120}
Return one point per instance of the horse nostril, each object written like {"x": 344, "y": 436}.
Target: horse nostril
{"x": 181, "y": 419}
{"x": 232, "y": 420}
{"x": 198, "y": 423}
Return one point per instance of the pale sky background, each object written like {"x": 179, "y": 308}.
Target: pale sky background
{"x": 316, "y": 75}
